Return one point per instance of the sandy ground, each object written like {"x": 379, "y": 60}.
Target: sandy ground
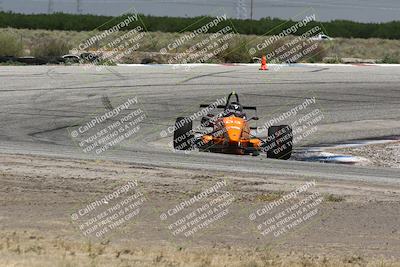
{"x": 356, "y": 223}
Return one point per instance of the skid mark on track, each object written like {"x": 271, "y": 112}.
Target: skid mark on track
{"x": 205, "y": 75}
{"x": 318, "y": 70}
{"x": 106, "y": 103}
{"x": 52, "y": 130}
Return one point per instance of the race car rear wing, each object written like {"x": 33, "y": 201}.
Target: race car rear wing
{"x": 222, "y": 106}
{"x": 250, "y": 107}
{"x": 207, "y": 105}
{"x": 228, "y": 101}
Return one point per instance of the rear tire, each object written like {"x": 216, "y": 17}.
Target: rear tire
{"x": 183, "y": 136}
{"x": 280, "y": 143}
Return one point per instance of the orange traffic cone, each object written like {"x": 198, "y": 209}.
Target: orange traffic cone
{"x": 264, "y": 63}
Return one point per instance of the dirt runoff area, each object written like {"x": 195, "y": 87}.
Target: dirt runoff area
{"x": 64, "y": 212}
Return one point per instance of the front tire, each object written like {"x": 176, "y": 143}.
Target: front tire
{"x": 280, "y": 142}
{"x": 183, "y": 136}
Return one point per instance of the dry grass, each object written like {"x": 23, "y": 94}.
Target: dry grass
{"x": 270, "y": 196}
{"x": 10, "y": 45}
{"x": 333, "y": 198}
{"x": 50, "y": 47}
{"x": 365, "y": 48}
{"x": 42, "y": 42}
{"x": 27, "y": 249}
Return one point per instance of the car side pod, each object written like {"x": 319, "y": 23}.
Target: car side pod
{"x": 279, "y": 142}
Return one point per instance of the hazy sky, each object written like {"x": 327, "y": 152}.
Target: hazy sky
{"x": 358, "y": 10}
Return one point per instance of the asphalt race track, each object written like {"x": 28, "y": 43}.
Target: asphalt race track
{"x": 41, "y": 105}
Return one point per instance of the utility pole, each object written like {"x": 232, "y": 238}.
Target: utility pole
{"x": 251, "y": 9}
{"x": 78, "y": 7}
{"x": 50, "y": 7}
{"x": 241, "y": 9}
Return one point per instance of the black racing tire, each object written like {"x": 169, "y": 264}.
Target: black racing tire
{"x": 32, "y": 60}
{"x": 183, "y": 135}
{"x": 280, "y": 142}
{"x": 149, "y": 61}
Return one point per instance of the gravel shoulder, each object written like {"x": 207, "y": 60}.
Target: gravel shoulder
{"x": 380, "y": 155}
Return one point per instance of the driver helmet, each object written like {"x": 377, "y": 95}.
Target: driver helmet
{"x": 235, "y": 108}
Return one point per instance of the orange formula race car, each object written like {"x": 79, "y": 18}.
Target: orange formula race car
{"x": 229, "y": 132}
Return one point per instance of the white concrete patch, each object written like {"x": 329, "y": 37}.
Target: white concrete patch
{"x": 320, "y": 154}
